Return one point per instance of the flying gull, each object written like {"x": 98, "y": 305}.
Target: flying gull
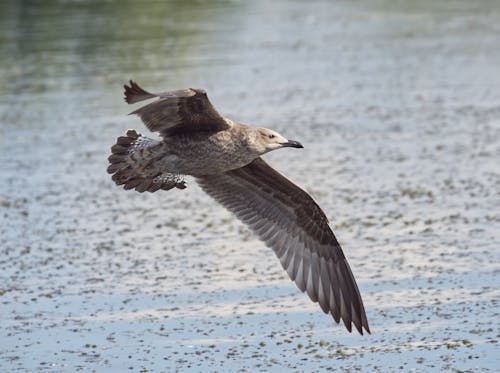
{"x": 224, "y": 157}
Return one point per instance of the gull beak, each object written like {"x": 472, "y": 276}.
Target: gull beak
{"x": 292, "y": 144}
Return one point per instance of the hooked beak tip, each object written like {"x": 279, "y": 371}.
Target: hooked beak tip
{"x": 292, "y": 144}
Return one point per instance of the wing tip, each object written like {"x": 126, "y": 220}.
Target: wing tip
{"x": 360, "y": 327}
{"x": 367, "y": 328}
{"x": 134, "y": 93}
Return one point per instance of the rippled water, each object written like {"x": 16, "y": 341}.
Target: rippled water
{"x": 398, "y": 106}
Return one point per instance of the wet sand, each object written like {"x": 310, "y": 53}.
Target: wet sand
{"x": 398, "y": 108}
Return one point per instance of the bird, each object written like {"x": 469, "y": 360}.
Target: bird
{"x": 224, "y": 157}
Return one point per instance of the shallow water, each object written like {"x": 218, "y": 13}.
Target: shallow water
{"x": 398, "y": 106}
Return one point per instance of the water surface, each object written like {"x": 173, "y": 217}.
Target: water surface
{"x": 398, "y": 106}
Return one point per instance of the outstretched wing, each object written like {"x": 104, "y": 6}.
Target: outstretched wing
{"x": 289, "y": 221}
{"x": 182, "y": 111}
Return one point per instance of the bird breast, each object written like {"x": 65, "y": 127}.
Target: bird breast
{"x": 208, "y": 154}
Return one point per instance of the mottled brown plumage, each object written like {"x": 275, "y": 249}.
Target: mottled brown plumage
{"x": 181, "y": 111}
{"x": 224, "y": 157}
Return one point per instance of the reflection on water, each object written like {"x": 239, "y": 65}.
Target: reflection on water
{"x": 67, "y": 45}
{"x": 49, "y": 44}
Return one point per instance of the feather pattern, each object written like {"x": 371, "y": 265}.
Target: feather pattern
{"x": 289, "y": 221}
{"x": 132, "y": 163}
{"x": 176, "y": 112}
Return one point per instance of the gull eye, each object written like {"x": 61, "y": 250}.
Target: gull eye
{"x": 272, "y": 136}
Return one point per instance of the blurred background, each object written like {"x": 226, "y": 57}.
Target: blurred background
{"x": 398, "y": 106}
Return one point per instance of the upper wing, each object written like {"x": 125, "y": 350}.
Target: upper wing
{"x": 181, "y": 111}
{"x": 289, "y": 221}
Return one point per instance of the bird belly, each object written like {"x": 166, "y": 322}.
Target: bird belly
{"x": 199, "y": 166}
{"x": 205, "y": 158}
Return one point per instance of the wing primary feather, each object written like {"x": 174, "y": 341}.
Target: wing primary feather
{"x": 352, "y": 294}
{"x": 322, "y": 296}
{"x": 288, "y": 257}
{"x": 290, "y": 265}
{"x": 345, "y": 312}
{"x": 315, "y": 272}
{"x": 134, "y": 93}
{"x": 299, "y": 278}
{"x": 334, "y": 289}
{"x": 299, "y": 252}
{"x": 345, "y": 306}
{"x": 325, "y": 285}
{"x": 334, "y": 309}
{"x": 310, "y": 282}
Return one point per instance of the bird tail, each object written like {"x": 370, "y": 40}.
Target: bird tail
{"x": 132, "y": 164}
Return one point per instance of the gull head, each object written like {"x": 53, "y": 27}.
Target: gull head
{"x": 267, "y": 140}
